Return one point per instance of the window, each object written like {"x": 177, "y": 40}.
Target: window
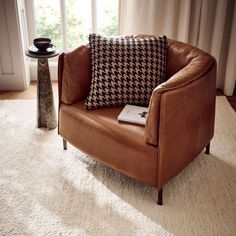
{"x": 47, "y": 20}
{"x": 107, "y": 17}
{"x": 68, "y": 22}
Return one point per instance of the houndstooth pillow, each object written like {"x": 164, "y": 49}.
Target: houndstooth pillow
{"x": 125, "y": 70}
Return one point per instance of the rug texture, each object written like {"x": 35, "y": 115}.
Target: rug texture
{"x": 45, "y": 190}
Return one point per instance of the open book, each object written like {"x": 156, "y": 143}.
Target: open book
{"x": 134, "y": 114}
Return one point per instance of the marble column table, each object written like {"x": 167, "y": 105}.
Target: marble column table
{"x": 46, "y": 114}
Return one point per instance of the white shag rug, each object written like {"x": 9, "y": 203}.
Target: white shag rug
{"x": 45, "y": 190}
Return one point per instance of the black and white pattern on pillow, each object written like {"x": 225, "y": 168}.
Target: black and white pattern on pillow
{"x": 125, "y": 70}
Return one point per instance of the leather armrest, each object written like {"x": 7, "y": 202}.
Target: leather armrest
{"x": 197, "y": 67}
{"x": 186, "y": 124}
{"x": 75, "y": 75}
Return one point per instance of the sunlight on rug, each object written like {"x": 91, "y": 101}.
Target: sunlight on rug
{"x": 45, "y": 190}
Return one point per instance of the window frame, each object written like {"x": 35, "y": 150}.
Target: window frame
{"x": 31, "y": 28}
{"x": 31, "y": 23}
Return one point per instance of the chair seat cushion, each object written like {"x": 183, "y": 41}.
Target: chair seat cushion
{"x": 119, "y": 145}
{"x": 125, "y": 70}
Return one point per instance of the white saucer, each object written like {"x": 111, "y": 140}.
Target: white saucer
{"x": 34, "y": 50}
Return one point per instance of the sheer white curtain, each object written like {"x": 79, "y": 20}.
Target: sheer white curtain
{"x": 207, "y": 24}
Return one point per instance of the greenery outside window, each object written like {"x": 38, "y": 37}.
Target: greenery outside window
{"x": 68, "y": 22}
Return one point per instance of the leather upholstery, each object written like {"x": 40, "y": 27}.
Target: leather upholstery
{"x": 76, "y": 75}
{"x": 186, "y": 125}
{"x": 180, "y": 122}
{"x": 117, "y": 144}
{"x": 192, "y": 63}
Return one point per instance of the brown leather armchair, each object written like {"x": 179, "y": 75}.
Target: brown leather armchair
{"x": 179, "y": 126}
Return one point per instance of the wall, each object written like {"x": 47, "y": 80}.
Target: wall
{"x": 14, "y": 69}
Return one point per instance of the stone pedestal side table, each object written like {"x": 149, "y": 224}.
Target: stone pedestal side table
{"x": 46, "y": 114}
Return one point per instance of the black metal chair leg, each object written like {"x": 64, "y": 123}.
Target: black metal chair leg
{"x": 208, "y": 149}
{"x": 159, "y": 200}
{"x": 64, "y": 144}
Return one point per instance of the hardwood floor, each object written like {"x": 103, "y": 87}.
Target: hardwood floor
{"x": 31, "y": 93}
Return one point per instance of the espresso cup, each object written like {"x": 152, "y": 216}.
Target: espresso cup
{"x": 42, "y": 43}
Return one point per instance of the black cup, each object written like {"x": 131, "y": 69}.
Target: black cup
{"x": 42, "y": 43}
